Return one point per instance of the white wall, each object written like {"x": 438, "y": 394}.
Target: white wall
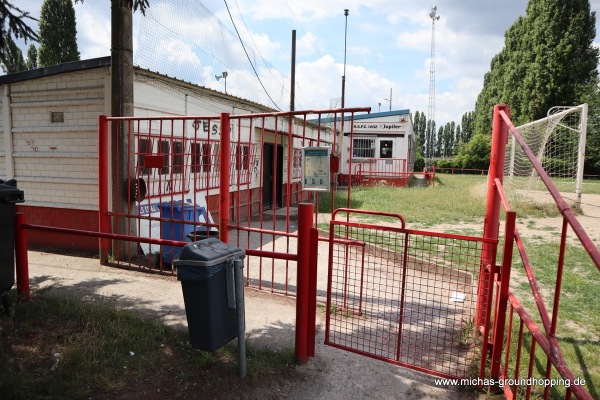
{"x": 55, "y": 163}
{"x": 397, "y": 128}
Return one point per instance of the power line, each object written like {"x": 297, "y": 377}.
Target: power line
{"x": 248, "y": 56}
{"x": 266, "y": 63}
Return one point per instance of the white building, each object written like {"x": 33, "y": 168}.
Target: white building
{"x": 377, "y": 147}
{"x": 49, "y": 138}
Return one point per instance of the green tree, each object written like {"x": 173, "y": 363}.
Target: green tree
{"x": 439, "y": 142}
{"x": 13, "y": 24}
{"x": 32, "y": 55}
{"x": 58, "y": 34}
{"x": 476, "y": 154}
{"x": 592, "y": 144}
{"x": 466, "y": 125}
{"x": 458, "y": 139}
{"x": 14, "y": 20}
{"x": 548, "y": 60}
{"x": 448, "y": 139}
{"x": 12, "y": 57}
{"x": 419, "y": 127}
{"x": 430, "y": 140}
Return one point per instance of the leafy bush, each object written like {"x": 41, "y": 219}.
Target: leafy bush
{"x": 476, "y": 154}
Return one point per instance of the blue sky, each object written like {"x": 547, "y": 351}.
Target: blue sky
{"x": 388, "y": 48}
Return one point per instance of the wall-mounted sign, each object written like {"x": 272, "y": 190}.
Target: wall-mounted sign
{"x": 378, "y": 127}
{"x": 315, "y": 169}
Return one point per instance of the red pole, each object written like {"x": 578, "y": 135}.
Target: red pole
{"x": 502, "y": 296}
{"x": 224, "y": 162}
{"x": 492, "y": 211}
{"x": 103, "y": 178}
{"x": 305, "y": 212}
{"x": 22, "y": 263}
{"x": 312, "y": 290}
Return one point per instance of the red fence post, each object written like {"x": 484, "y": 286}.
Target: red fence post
{"x": 103, "y": 178}
{"x": 312, "y": 290}
{"x": 492, "y": 213}
{"x": 305, "y": 213}
{"x": 502, "y": 295}
{"x": 491, "y": 226}
{"x": 224, "y": 161}
{"x": 21, "y": 260}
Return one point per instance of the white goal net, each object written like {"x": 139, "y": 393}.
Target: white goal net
{"x": 558, "y": 142}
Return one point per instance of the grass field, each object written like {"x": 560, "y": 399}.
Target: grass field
{"x": 453, "y": 199}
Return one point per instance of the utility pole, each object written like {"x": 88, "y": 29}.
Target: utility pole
{"x": 346, "y": 12}
{"x": 344, "y": 75}
{"x": 121, "y": 138}
{"x": 293, "y": 73}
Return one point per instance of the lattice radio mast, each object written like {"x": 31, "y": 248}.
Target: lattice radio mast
{"x": 431, "y": 111}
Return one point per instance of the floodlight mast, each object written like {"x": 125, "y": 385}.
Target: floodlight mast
{"x": 428, "y": 148}
{"x": 343, "y": 99}
{"x": 346, "y": 12}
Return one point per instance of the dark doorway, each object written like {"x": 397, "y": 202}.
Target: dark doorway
{"x": 385, "y": 148}
{"x": 272, "y": 175}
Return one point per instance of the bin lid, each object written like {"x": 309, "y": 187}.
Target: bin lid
{"x": 207, "y": 253}
{"x": 180, "y": 205}
{"x": 9, "y": 192}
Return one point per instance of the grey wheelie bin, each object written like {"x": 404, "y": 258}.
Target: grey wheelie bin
{"x": 9, "y": 196}
{"x": 206, "y": 271}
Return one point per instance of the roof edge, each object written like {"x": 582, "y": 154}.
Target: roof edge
{"x": 55, "y": 70}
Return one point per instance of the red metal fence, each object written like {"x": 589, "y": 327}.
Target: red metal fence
{"x": 383, "y": 171}
{"x": 184, "y": 178}
{"x": 405, "y": 296}
{"x": 516, "y": 332}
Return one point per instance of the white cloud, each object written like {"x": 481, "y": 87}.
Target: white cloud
{"x": 388, "y": 47}
{"x": 93, "y": 33}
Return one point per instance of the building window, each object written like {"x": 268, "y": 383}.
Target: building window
{"x": 206, "y": 157}
{"x": 201, "y": 157}
{"x": 242, "y": 158}
{"x": 385, "y": 148}
{"x": 196, "y": 157}
{"x": 363, "y": 148}
{"x": 177, "y": 157}
{"x": 145, "y": 147}
{"x": 164, "y": 150}
{"x": 57, "y": 117}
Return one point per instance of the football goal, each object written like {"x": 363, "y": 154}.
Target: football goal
{"x": 558, "y": 142}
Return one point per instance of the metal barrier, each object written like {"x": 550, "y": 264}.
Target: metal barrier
{"x": 507, "y": 356}
{"x": 185, "y": 178}
{"x": 390, "y": 171}
{"x": 271, "y": 223}
{"x": 405, "y": 296}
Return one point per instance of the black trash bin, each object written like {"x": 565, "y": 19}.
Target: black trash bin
{"x": 205, "y": 269}
{"x": 9, "y": 196}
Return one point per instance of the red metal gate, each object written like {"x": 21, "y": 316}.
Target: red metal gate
{"x": 405, "y": 296}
